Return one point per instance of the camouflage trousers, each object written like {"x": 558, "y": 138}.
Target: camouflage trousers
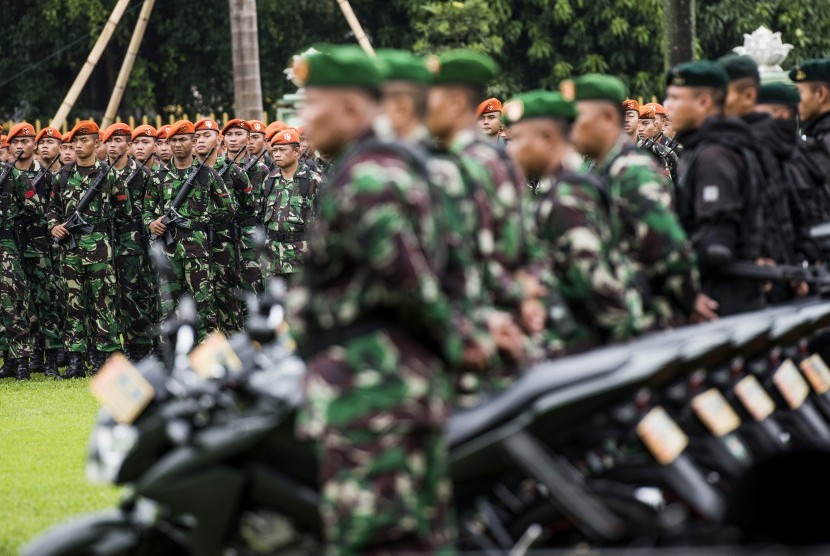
{"x": 376, "y": 408}
{"x": 138, "y": 303}
{"x": 14, "y": 302}
{"x": 226, "y": 281}
{"x": 190, "y": 275}
{"x": 91, "y": 310}
{"x": 46, "y": 293}
{"x": 251, "y": 268}
{"x": 283, "y": 258}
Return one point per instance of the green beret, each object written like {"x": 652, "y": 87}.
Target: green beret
{"x": 811, "y": 70}
{"x": 538, "y": 104}
{"x": 779, "y": 93}
{"x": 402, "y": 65}
{"x": 739, "y": 67}
{"x": 700, "y": 73}
{"x": 594, "y": 86}
{"x": 338, "y": 66}
{"x": 462, "y": 67}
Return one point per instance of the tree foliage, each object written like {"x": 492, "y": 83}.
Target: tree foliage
{"x": 184, "y": 63}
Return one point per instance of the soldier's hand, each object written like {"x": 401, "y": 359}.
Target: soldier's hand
{"x": 800, "y": 289}
{"x": 60, "y": 231}
{"x": 506, "y": 334}
{"x": 157, "y": 228}
{"x": 766, "y": 287}
{"x": 532, "y": 315}
{"x": 705, "y": 309}
{"x": 474, "y": 358}
{"x": 531, "y": 285}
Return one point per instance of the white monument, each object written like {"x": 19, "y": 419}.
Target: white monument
{"x": 766, "y": 48}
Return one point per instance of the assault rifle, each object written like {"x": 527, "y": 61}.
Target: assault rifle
{"x": 76, "y": 223}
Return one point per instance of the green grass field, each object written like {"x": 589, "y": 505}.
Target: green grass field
{"x": 45, "y": 427}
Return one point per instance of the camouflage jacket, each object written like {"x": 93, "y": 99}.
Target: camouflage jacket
{"x": 256, "y": 171}
{"x": 209, "y": 199}
{"x": 111, "y": 204}
{"x": 290, "y": 205}
{"x": 242, "y": 192}
{"x": 130, "y": 231}
{"x": 37, "y": 232}
{"x": 650, "y": 235}
{"x": 18, "y": 201}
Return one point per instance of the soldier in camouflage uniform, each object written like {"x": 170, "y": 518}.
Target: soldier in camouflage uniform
{"x": 39, "y": 262}
{"x": 288, "y": 205}
{"x": 91, "y": 321}
{"x": 644, "y": 225}
{"x": 375, "y": 329}
{"x": 48, "y": 142}
{"x": 572, "y": 219}
{"x": 247, "y": 178}
{"x": 67, "y": 150}
{"x": 163, "y": 153}
{"x": 190, "y": 253}
{"x": 649, "y": 132}
{"x": 258, "y": 146}
{"x": 19, "y": 202}
{"x": 136, "y": 300}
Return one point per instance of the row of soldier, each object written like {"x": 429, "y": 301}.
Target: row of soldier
{"x": 70, "y": 297}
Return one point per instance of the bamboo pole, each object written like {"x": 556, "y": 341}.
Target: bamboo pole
{"x": 359, "y": 34}
{"x": 127, "y": 65}
{"x": 89, "y": 65}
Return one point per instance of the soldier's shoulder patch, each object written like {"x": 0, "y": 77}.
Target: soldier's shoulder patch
{"x": 710, "y": 193}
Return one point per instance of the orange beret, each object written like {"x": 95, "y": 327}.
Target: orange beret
{"x": 66, "y": 137}
{"x": 164, "y": 132}
{"x": 84, "y": 127}
{"x": 631, "y": 104}
{"x": 144, "y": 130}
{"x": 489, "y": 105}
{"x": 274, "y": 127}
{"x": 286, "y": 136}
{"x": 658, "y": 109}
{"x": 236, "y": 122}
{"x": 118, "y": 128}
{"x": 647, "y": 112}
{"x": 23, "y": 129}
{"x": 256, "y": 126}
{"x": 181, "y": 127}
{"x": 206, "y": 123}
{"x": 47, "y": 133}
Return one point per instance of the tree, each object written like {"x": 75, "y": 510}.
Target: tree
{"x": 247, "y": 87}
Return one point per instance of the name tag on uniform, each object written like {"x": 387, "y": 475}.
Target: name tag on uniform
{"x": 711, "y": 193}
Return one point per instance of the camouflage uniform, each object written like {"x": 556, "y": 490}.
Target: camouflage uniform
{"x": 41, "y": 267}
{"x": 374, "y": 325}
{"x": 649, "y": 234}
{"x": 249, "y": 220}
{"x": 226, "y": 268}
{"x": 190, "y": 252}
{"x": 138, "y": 303}
{"x": 18, "y": 202}
{"x": 287, "y": 211}
{"x": 90, "y": 276}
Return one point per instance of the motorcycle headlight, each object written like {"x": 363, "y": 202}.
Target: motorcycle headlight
{"x": 109, "y": 447}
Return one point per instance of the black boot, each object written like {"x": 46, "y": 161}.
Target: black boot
{"x": 23, "y": 368}
{"x": 6, "y": 370}
{"x": 36, "y": 362}
{"x": 51, "y": 366}
{"x": 63, "y": 359}
{"x": 96, "y": 359}
{"x": 137, "y": 352}
{"x": 75, "y": 367}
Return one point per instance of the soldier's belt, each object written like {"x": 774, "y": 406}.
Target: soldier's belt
{"x": 286, "y": 237}
{"x": 35, "y": 232}
{"x": 192, "y": 227}
{"x": 98, "y": 228}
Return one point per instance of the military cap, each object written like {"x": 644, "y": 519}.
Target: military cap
{"x": 538, "y": 104}
{"x": 23, "y": 129}
{"x": 236, "y": 122}
{"x": 257, "y": 126}
{"x": 594, "y": 86}
{"x": 811, "y": 70}
{"x": 288, "y": 136}
{"x": 402, "y": 65}
{"x": 699, "y": 73}
{"x": 206, "y": 123}
{"x": 47, "y": 133}
{"x": 658, "y": 108}
{"x": 487, "y": 106}
{"x": 338, "y": 66}
{"x": 119, "y": 128}
{"x": 144, "y": 130}
{"x": 631, "y": 104}
{"x": 84, "y": 127}
{"x": 462, "y": 67}
{"x": 164, "y": 132}
{"x": 274, "y": 127}
{"x": 739, "y": 67}
{"x": 779, "y": 93}
{"x": 647, "y": 112}
{"x": 66, "y": 137}
{"x": 181, "y": 127}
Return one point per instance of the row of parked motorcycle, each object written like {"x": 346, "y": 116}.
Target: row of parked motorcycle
{"x": 708, "y": 435}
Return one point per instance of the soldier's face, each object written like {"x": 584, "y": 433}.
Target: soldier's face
{"x": 648, "y": 128}
{"x": 116, "y": 146}
{"x": 143, "y": 148}
{"x": 101, "y": 151}
{"x": 685, "y": 108}
{"x": 490, "y": 123}
{"x": 631, "y": 122}
{"x": 256, "y": 142}
{"x": 86, "y": 146}
{"x": 285, "y": 156}
{"x": 592, "y": 128}
{"x": 164, "y": 150}
{"x": 668, "y": 130}
{"x": 530, "y": 146}
{"x": 325, "y": 118}
{"x": 811, "y": 101}
{"x": 67, "y": 153}
{"x": 49, "y": 148}
{"x": 442, "y": 110}
{"x": 24, "y": 145}
{"x": 181, "y": 146}
{"x": 236, "y": 139}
